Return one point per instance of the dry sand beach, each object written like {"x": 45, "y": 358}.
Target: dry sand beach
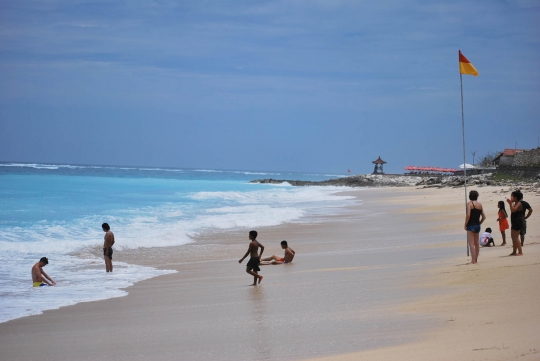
{"x": 350, "y": 293}
{"x": 487, "y": 311}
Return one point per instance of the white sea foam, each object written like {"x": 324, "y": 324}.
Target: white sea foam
{"x": 162, "y": 169}
{"x": 284, "y": 184}
{"x": 173, "y": 225}
{"x": 254, "y": 173}
{"x": 53, "y": 166}
{"x": 67, "y": 166}
{"x": 66, "y": 237}
{"x": 78, "y": 280}
{"x": 139, "y": 221}
{"x": 36, "y": 165}
{"x": 278, "y": 195}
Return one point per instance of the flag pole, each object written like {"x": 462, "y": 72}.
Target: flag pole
{"x": 464, "y": 162}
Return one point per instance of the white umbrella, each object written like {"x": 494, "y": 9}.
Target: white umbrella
{"x": 467, "y": 165}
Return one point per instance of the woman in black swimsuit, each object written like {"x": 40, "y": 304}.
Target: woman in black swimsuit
{"x": 475, "y": 217}
{"x": 517, "y": 221}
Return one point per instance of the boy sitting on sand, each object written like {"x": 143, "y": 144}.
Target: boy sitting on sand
{"x": 287, "y": 258}
{"x": 485, "y": 239}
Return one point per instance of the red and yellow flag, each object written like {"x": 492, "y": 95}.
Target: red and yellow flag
{"x": 465, "y": 66}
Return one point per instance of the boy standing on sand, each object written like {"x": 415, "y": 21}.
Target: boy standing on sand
{"x": 253, "y": 263}
{"x": 108, "y": 242}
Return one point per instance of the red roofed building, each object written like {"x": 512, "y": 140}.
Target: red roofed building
{"x": 506, "y": 158}
{"x": 511, "y": 152}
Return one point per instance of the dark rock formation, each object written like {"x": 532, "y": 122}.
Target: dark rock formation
{"x": 457, "y": 181}
{"x": 378, "y": 180}
{"x": 364, "y": 180}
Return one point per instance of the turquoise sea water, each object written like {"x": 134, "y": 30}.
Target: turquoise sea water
{"x": 56, "y": 210}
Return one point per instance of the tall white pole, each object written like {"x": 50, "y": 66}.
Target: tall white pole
{"x": 464, "y": 163}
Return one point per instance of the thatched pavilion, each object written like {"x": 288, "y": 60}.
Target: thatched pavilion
{"x": 378, "y": 166}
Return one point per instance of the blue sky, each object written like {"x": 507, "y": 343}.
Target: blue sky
{"x": 266, "y": 85}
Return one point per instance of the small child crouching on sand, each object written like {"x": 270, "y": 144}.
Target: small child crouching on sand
{"x": 486, "y": 240}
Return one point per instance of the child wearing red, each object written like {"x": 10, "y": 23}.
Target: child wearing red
{"x": 503, "y": 221}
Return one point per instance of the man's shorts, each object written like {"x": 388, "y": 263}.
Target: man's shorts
{"x": 253, "y": 264}
{"x": 108, "y": 252}
{"x": 523, "y": 230}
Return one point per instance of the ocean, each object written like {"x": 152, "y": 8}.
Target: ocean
{"x": 56, "y": 211}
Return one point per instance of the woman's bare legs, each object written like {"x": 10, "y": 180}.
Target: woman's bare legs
{"x": 503, "y": 234}
{"x": 474, "y": 245}
{"x": 516, "y": 243}
{"x": 476, "y": 237}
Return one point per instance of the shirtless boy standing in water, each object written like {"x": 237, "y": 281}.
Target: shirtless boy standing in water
{"x": 107, "y": 246}
{"x": 287, "y": 257}
{"x": 253, "y": 263}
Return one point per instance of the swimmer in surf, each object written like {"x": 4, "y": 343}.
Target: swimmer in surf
{"x": 39, "y": 277}
{"x": 287, "y": 257}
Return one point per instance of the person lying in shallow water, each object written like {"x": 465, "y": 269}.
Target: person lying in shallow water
{"x": 287, "y": 257}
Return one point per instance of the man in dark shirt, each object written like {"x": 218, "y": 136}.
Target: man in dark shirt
{"x": 527, "y": 211}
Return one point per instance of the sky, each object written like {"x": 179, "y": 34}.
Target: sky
{"x": 321, "y": 86}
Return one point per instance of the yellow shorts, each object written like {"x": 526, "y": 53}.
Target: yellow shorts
{"x": 38, "y": 284}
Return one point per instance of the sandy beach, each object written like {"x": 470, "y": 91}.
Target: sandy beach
{"x": 485, "y": 312}
{"x": 349, "y": 294}
{"x": 157, "y": 135}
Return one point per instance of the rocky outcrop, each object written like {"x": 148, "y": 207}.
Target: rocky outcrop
{"x": 363, "y": 180}
{"x": 480, "y": 180}
{"x": 457, "y": 181}
{"x": 378, "y": 180}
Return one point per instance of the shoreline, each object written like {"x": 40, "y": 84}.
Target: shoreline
{"x": 80, "y": 258}
{"x": 315, "y": 258}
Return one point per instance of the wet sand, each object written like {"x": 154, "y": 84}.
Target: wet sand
{"x": 349, "y": 290}
{"x": 484, "y": 312}
{"x": 487, "y": 311}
